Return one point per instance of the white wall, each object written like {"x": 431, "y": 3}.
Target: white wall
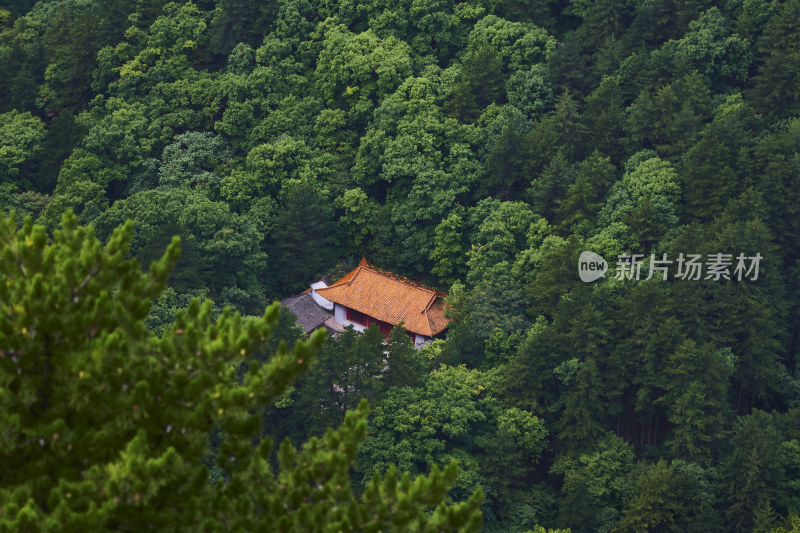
{"x": 322, "y": 302}
{"x": 340, "y": 315}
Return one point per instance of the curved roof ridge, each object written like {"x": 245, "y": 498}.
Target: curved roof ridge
{"x": 356, "y": 272}
{"x": 402, "y": 279}
{"x": 430, "y": 303}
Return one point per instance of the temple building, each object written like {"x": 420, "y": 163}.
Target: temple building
{"x": 368, "y": 295}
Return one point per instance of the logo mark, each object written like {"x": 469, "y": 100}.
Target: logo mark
{"x": 591, "y": 266}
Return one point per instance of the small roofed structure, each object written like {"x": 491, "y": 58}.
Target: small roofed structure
{"x": 369, "y": 295}
{"x": 310, "y": 315}
{"x": 322, "y": 302}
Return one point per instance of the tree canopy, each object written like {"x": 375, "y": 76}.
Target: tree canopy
{"x": 478, "y": 147}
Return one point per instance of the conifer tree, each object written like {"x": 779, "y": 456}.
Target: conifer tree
{"x": 105, "y": 426}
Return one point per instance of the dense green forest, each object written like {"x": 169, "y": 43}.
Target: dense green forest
{"x": 478, "y": 147}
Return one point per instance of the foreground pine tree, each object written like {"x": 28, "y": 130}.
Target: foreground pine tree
{"x": 104, "y": 426}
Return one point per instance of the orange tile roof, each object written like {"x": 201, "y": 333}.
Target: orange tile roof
{"x": 390, "y": 298}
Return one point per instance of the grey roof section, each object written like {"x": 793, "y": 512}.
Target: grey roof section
{"x": 309, "y": 315}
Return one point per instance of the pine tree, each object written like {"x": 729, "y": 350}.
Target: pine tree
{"x": 580, "y": 424}
{"x": 696, "y": 399}
{"x": 603, "y": 117}
{"x": 481, "y": 84}
{"x": 775, "y": 87}
{"x": 105, "y": 426}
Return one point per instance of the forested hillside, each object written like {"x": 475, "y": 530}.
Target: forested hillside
{"x": 478, "y": 147}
